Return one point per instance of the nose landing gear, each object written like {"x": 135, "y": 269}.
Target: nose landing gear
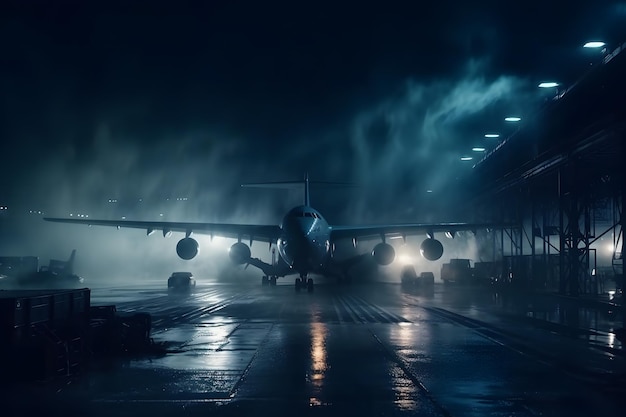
{"x": 271, "y": 280}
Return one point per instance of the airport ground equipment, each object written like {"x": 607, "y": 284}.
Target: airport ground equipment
{"x": 42, "y": 333}
{"x": 114, "y": 334}
{"x": 181, "y": 280}
{"x": 409, "y": 277}
{"x": 427, "y": 278}
{"x": 457, "y": 271}
{"x": 45, "y": 334}
{"x": 487, "y": 273}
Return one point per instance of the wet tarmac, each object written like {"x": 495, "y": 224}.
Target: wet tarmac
{"x": 372, "y": 349}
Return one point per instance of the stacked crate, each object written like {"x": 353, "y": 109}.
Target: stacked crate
{"x": 42, "y": 332}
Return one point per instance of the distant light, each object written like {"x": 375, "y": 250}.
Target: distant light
{"x": 550, "y": 84}
{"x": 466, "y": 158}
{"x": 405, "y": 259}
{"x": 429, "y": 191}
{"x": 218, "y": 241}
{"x": 594, "y": 44}
{"x": 492, "y": 135}
{"x": 512, "y": 119}
{"x": 478, "y": 149}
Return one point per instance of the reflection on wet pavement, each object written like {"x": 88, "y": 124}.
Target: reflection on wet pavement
{"x": 367, "y": 349}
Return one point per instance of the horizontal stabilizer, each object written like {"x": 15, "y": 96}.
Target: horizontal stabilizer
{"x": 291, "y": 185}
{"x": 297, "y": 184}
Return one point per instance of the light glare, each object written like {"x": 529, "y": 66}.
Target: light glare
{"x": 610, "y": 248}
{"x": 405, "y": 259}
{"x": 550, "y": 84}
{"x": 492, "y": 135}
{"x": 466, "y": 158}
{"x": 594, "y": 44}
{"x": 512, "y": 119}
{"x": 478, "y": 149}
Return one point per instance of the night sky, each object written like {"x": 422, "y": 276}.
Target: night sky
{"x": 155, "y": 99}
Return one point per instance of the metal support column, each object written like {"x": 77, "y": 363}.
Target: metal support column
{"x": 577, "y": 228}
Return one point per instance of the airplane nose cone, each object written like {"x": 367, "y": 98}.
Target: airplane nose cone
{"x": 304, "y": 228}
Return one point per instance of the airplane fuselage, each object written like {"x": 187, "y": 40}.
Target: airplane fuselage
{"x": 305, "y": 240}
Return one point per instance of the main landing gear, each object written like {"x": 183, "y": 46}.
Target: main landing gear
{"x": 304, "y": 282}
{"x": 268, "y": 280}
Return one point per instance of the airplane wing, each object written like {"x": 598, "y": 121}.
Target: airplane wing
{"x": 402, "y": 230}
{"x": 256, "y": 232}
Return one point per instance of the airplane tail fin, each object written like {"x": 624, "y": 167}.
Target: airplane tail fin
{"x": 290, "y": 185}
{"x": 62, "y": 267}
{"x": 307, "y": 199}
{"x": 69, "y": 266}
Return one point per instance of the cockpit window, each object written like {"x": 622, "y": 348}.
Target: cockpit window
{"x": 307, "y": 214}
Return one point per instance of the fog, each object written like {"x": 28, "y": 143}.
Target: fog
{"x": 394, "y": 150}
{"x": 165, "y": 117}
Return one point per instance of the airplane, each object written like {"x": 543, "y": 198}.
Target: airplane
{"x": 304, "y": 239}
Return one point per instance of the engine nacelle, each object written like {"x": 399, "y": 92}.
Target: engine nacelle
{"x": 383, "y": 254}
{"x": 431, "y": 249}
{"x": 239, "y": 253}
{"x": 187, "y": 248}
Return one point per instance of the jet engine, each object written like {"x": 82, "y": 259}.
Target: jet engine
{"x": 239, "y": 253}
{"x": 431, "y": 249}
{"x": 187, "y": 248}
{"x": 383, "y": 254}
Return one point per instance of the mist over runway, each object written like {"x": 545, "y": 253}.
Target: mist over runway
{"x": 372, "y": 349}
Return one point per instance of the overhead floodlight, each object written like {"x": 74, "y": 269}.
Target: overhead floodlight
{"x": 466, "y": 158}
{"x": 492, "y": 135}
{"x": 429, "y": 191}
{"x": 478, "y": 149}
{"x": 512, "y": 119}
{"x": 549, "y": 84}
{"x": 594, "y": 44}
